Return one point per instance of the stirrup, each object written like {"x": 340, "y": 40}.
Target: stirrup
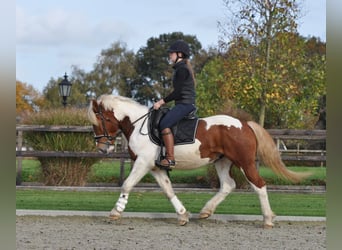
{"x": 171, "y": 164}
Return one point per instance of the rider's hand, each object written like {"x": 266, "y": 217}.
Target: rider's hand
{"x": 158, "y": 104}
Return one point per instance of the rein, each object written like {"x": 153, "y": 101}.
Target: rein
{"x": 119, "y": 132}
{"x": 142, "y": 117}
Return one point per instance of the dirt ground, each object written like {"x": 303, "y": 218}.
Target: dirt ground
{"x": 86, "y": 232}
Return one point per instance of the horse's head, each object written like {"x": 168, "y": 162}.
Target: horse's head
{"x": 105, "y": 126}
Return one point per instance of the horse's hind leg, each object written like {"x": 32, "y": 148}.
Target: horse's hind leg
{"x": 164, "y": 182}
{"x": 259, "y": 186}
{"x": 227, "y": 185}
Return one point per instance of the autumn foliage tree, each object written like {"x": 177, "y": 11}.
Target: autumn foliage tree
{"x": 28, "y": 99}
{"x": 298, "y": 75}
{"x": 259, "y": 22}
{"x": 298, "y": 82}
{"x": 209, "y": 85}
{"x": 266, "y": 68}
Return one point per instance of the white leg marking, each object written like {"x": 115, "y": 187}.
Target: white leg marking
{"x": 165, "y": 183}
{"x": 180, "y": 209}
{"x": 265, "y": 205}
{"x": 121, "y": 203}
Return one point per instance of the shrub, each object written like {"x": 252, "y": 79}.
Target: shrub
{"x": 69, "y": 171}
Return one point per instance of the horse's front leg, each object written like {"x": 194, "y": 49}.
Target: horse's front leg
{"x": 164, "y": 182}
{"x": 139, "y": 170}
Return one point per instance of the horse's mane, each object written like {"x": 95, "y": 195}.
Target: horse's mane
{"x": 117, "y": 103}
{"x": 112, "y": 101}
{"x": 91, "y": 115}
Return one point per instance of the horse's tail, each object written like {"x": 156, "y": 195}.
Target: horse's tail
{"x": 270, "y": 156}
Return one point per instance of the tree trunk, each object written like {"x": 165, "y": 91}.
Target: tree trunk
{"x": 267, "y": 66}
{"x": 262, "y": 114}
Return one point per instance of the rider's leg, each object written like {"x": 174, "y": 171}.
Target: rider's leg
{"x": 169, "y": 120}
{"x": 169, "y": 160}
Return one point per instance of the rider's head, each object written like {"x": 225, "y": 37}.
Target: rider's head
{"x": 181, "y": 50}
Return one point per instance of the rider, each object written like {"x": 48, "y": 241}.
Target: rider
{"x": 183, "y": 95}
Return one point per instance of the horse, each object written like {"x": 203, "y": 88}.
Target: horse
{"x": 220, "y": 139}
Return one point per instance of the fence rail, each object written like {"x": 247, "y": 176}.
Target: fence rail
{"x": 72, "y": 129}
{"x": 21, "y": 153}
{"x": 298, "y": 154}
{"x": 279, "y": 135}
{"x": 33, "y": 153}
{"x": 299, "y": 134}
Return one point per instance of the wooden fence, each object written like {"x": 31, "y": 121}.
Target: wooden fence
{"x": 281, "y": 137}
{"x": 313, "y": 142}
{"x": 23, "y": 151}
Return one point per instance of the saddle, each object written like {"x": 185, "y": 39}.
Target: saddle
{"x": 184, "y": 131}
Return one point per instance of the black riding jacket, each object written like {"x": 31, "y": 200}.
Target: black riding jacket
{"x": 183, "y": 85}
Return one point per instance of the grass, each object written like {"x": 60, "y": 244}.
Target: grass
{"x": 109, "y": 172}
{"x": 236, "y": 203}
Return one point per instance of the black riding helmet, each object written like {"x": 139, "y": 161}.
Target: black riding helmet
{"x": 180, "y": 46}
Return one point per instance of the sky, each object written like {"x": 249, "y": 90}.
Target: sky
{"x": 54, "y": 35}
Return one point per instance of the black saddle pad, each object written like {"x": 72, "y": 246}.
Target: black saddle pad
{"x": 184, "y": 131}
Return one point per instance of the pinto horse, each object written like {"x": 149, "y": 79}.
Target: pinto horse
{"x": 220, "y": 139}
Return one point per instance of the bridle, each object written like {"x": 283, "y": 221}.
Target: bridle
{"x": 105, "y": 131}
{"x": 109, "y": 137}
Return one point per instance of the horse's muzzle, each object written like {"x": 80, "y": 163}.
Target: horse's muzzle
{"x": 105, "y": 148}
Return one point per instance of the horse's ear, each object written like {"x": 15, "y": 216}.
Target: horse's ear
{"x": 95, "y": 106}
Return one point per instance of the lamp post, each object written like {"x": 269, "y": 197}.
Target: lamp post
{"x": 64, "y": 89}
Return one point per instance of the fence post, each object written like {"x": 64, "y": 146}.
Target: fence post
{"x": 322, "y": 153}
{"x": 19, "y": 159}
{"x": 278, "y": 143}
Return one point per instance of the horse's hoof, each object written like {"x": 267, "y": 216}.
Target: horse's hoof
{"x": 183, "y": 219}
{"x": 182, "y": 222}
{"x": 268, "y": 226}
{"x": 268, "y": 221}
{"x": 114, "y": 217}
{"x": 204, "y": 215}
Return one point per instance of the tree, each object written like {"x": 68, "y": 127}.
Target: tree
{"x": 51, "y": 94}
{"x": 298, "y": 77}
{"x": 202, "y": 57}
{"x": 114, "y": 71}
{"x": 28, "y": 99}
{"x": 209, "y": 85}
{"x": 78, "y": 95}
{"x": 82, "y": 86}
{"x": 259, "y": 22}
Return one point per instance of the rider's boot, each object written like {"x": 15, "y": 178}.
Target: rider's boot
{"x": 169, "y": 161}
